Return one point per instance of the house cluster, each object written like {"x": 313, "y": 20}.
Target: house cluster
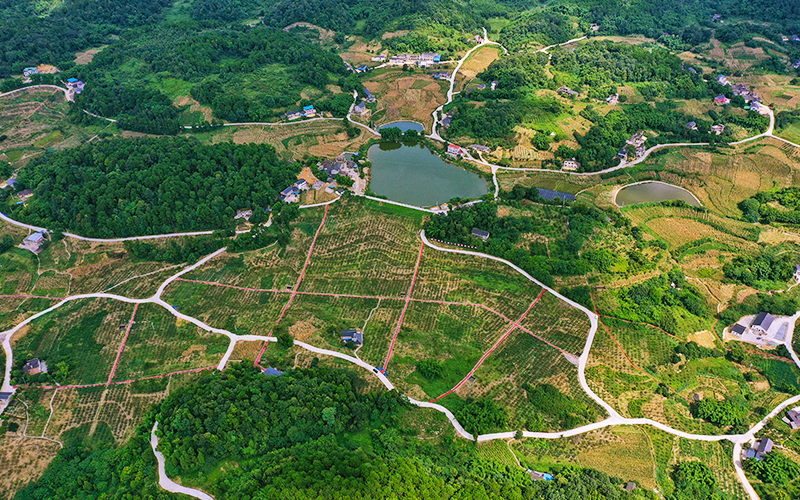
{"x": 760, "y": 450}
{"x": 75, "y": 85}
{"x": 343, "y": 165}
{"x": 567, "y": 92}
{"x": 422, "y": 60}
{"x": 636, "y": 143}
{"x": 749, "y": 96}
{"x": 353, "y": 335}
{"x": 307, "y": 112}
{"x": 34, "y": 367}
{"x": 292, "y": 193}
{"x": 793, "y": 418}
{"x": 35, "y": 242}
{"x": 764, "y": 329}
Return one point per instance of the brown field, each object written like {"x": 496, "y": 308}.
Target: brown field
{"x": 85, "y": 57}
{"x": 476, "y": 63}
{"x": 195, "y": 106}
{"x": 677, "y": 231}
{"x": 23, "y": 460}
{"x": 406, "y": 97}
{"x": 737, "y": 57}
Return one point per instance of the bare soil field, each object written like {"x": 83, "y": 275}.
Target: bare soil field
{"x": 406, "y": 97}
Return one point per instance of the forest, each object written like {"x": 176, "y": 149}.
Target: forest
{"x": 565, "y": 257}
{"x": 123, "y": 187}
{"x": 307, "y": 434}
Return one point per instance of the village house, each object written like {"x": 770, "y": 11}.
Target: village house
{"x": 293, "y": 115}
{"x": 722, "y": 80}
{"x": 290, "y": 195}
{"x": 539, "y": 476}
{"x": 762, "y": 448}
{"x": 362, "y": 69}
{"x": 793, "y": 418}
{"x": 30, "y": 71}
{"x": 272, "y": 372}
{"x": 379, "y": 58}
{"x": 478, "y": 39}
{"x": 352, "y": 335}
{"x": 317, "y": 185}
{"x": 25, "y": 194}
{"x": 440, "y": 75}
{"x": 482, "y": 86}
{"x": 34, "y": 367}
{"x": 480, "y": 233}
{"x": 595, "y": 27}
{"x": 454, "y": 150}
{"x": 12, "y": 182}
{"x": 302, "y": 185}
{"x": 721, "y": 100}
{"x": 630, "y": 486}
{"x": 795, "y": 38}
{"x": 75, "y": 85}
{"x": 796, "y": 64}
{"x": 762, "y": 322}
{"x": 309, "y": 111}
{"x": 759, "y": 108}
{"x": 446, "y": 121}
{"x": 34, "y": 242}
{"x": 480, "y": 148}
{"x": 493, "y": 86}
{"x": 691, "y": 125}
{"x": 566, "y": 91}
{"x": 718, "y": 128}
{"x": 360, "y": 108}
{"x": 398, "y": 59}
{"x": 622, "y": 154}
{"x": 243, "y": 214}
{"x": 612, "y": 100}
{"x": 637, "y": 139}
{"x": 570, "y": 165}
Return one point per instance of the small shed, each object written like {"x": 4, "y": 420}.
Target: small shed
{"x": 630, "y": 486}
{"x": 34, "y": 367}
{"x": 480, "y": 233}
{"x": 352, "y": 335}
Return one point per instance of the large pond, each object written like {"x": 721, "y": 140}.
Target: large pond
{"x": 410, "y": 173}
{"x": 653, "y": 191}
{"x": 403, "y": 126}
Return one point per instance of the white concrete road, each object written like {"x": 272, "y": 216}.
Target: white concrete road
{"x": 163, "y": 480}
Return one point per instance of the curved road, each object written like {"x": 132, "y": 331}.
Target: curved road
{"x": 163, "y": 480}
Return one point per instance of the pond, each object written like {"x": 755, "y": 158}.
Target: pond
{"x": 403, "y": 126}
{"x": 410, "y": 173}
{"x": 653, "y": 191}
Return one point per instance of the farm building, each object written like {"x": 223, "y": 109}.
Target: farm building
{"x": 691, "y": 125}
{"x": 718, "y": 128}
{"x": 293, "y": 115}
{"x": 630, "y": 486}
{"x": 11, "y": 182}
{"x": 34, "y": 367}
{"x": 34, "y": 242}
{"x": 379, "y": 58}
{"x": 480, "y": 148}
{"x": 540, "y": 476}
{"x": 722, "y": 80}
{"x": 370, "y": 97}
{"x": 309, "y": 111}
{"x": 566, "y": 91}
{"x": 25, "y": 194}
{"x": 570, "y": 165}
{"x": 480, "y": 233}
{"x": 738, "y": 329}
{"x": 762, "y": 322}
{"x": 272, "y": 372}
{"x": 302, "y": 185}
{"x": 612, "y": 100}
{"x": 352, "y": 335}
{"x": 30, "y": 71}
{"x": 243, "y": 214}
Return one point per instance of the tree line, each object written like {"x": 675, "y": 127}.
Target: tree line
{"x": 122, "y": 188}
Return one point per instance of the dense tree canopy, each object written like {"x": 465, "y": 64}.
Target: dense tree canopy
{"x": 135, "y": 187}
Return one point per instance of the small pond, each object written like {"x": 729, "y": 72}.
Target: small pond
{"x": 410, "y": 173}
{"x": 653, "y": 191}
{"x": 403, "y": 126}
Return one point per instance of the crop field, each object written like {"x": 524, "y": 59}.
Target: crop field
{"x": 454, "y": 337}
{"x": 718, "y": 457}
{"x": 496, "y": 451}
{"x": 23, "y": 460}
{"x": 625, "y": 452}
{"x": 476, "y": 280}
{"x": 319, "y": 320}
{"x": 159, "y": 343}
{"x": 556, "y": 181}
{"x": 84, "y": 334}
{"x": 682, "y": 225}
{"x": 477, "y": 62}
{"x": 238, "y": 311}
{"x": 361, "y": 251}
{"x": 558, "y": 322}
{"x": 400, "y": 97}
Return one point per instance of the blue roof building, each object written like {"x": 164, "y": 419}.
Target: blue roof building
{"x": 308, "y": 108}
{"x": 272, "y": 372}
{"x": 72, "y": 80}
